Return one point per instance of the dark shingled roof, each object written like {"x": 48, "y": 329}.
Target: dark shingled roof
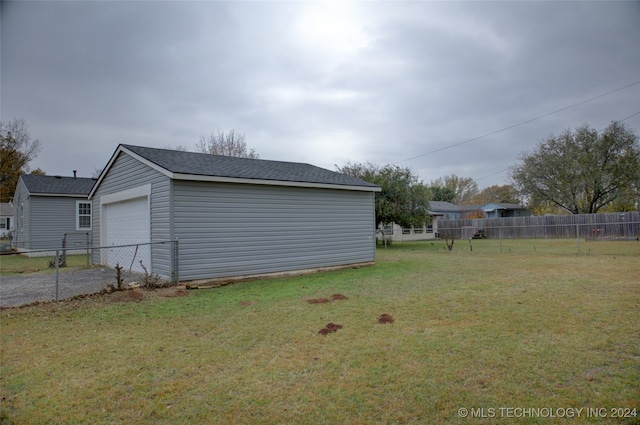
{"x": 201, "y": 164}
{"x": 507, "y": 206}
{"x": 442, "y": 206}
{"x": 56, "y": 185}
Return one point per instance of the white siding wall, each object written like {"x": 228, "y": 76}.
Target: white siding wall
{"x": 242, "y": 229}
{"x": 126, "y": 173}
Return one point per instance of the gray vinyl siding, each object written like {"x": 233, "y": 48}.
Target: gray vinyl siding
{"x": 242, "y": 229}
{"x": 45, "y": 221}
{"x": 50, "y": 218}
{"x": 126, "y": 173}
{"x": 21, "y": 223}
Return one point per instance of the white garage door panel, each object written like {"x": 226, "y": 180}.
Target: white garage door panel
{"x": 128, "y": 223}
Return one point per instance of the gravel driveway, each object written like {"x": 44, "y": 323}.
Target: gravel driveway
{"x": 24, "y": 289}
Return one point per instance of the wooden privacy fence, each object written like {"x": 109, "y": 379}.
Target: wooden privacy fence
{"x": 589, "y": 226}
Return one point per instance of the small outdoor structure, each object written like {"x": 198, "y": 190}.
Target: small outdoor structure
{"x": 49, "y": 207}
{"x": 232, "y": 216}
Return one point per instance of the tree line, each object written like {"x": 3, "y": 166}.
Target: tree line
{"x": 579, "y": 171}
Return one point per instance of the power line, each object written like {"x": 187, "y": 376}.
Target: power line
{"x": 622, "y": 120}
{"x": 599, "y": 131}
{"x": 522, "y": 123}
{"x": 491, "y": 175}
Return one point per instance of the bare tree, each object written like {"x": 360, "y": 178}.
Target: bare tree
{"x": 502, "y": 194}
{"x": 465, "y": 188}
{"x": 227, "y": 144}
{"x": 17, "y": 149}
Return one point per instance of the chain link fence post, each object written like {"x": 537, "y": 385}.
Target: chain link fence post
{"x": 57, "y": 271}
{"x": 176, "y": 271}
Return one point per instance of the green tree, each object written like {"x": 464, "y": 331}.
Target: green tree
{"x": 403, "y": 199}
{"x": 17, "y": 149}
{"x": 580, "y": 171}
{"x": 227, "y": 144}
{"x": 465, "y": 188}
{"x": 441, "y": 193}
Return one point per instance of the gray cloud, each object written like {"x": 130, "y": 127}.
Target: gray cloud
{"x": 317, "y": 82}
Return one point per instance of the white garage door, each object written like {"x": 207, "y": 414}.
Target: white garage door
{"x": 127, "y": 223}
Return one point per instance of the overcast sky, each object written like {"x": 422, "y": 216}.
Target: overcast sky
{"x": 324, "y": 83}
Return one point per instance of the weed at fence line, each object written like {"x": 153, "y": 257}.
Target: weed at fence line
{"x": 152, "y": 281}
{"x": 119, "y": 276}
{"x": 62, "y": 262}
{"x": 449, "y": 245}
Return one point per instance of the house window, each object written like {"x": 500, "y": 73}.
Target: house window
{"x": 83, "y": 215}
{"x": 3, "y": 224}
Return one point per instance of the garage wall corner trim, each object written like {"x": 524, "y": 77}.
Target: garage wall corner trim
{"x": 125, "y": 195}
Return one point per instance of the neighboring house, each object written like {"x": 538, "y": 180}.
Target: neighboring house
{"x": 49, "y": 207}
{"x": 448, "y": 211}
{"x": 494, "y": 210}
{"x": 232, "y": 216}
{"x": 6, "y": 219}
{"x": 440, "y": 210}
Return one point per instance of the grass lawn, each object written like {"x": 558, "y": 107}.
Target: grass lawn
{"x": 548, "y": 328}
{"x": 18, "y": 264}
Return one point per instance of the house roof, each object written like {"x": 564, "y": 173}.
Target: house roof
{"x": 442, "y": 206}
{"x": 57, "y": 185}
{"x": 6, "y": 209}
{"x": 499, "y": 206}
{"x": 181, "y": 165}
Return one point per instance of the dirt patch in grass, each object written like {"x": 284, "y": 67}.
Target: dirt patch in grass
{"x": 334, "y": 297}
{"x": 319, "y": 300}
{"x": 132, "y": 295}
{"x": 110, "y": 295}
{"x": 246, "y": 302}
{"x": 385, "y": 318}
{"x": 173, "y": 292}
{"x": 138, "y": 294}
{"x": 330, "y": 328}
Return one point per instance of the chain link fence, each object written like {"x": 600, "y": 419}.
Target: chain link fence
{"x": 62, "y": 273}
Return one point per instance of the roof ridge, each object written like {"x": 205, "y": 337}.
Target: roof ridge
{"x": 57, "y": 185}
{"x": 240, "y": 158}
{"x": 195, "y": 164}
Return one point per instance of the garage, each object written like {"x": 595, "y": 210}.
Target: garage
{"x": 126, "y": 222}
{"x": 229, "y": 216}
